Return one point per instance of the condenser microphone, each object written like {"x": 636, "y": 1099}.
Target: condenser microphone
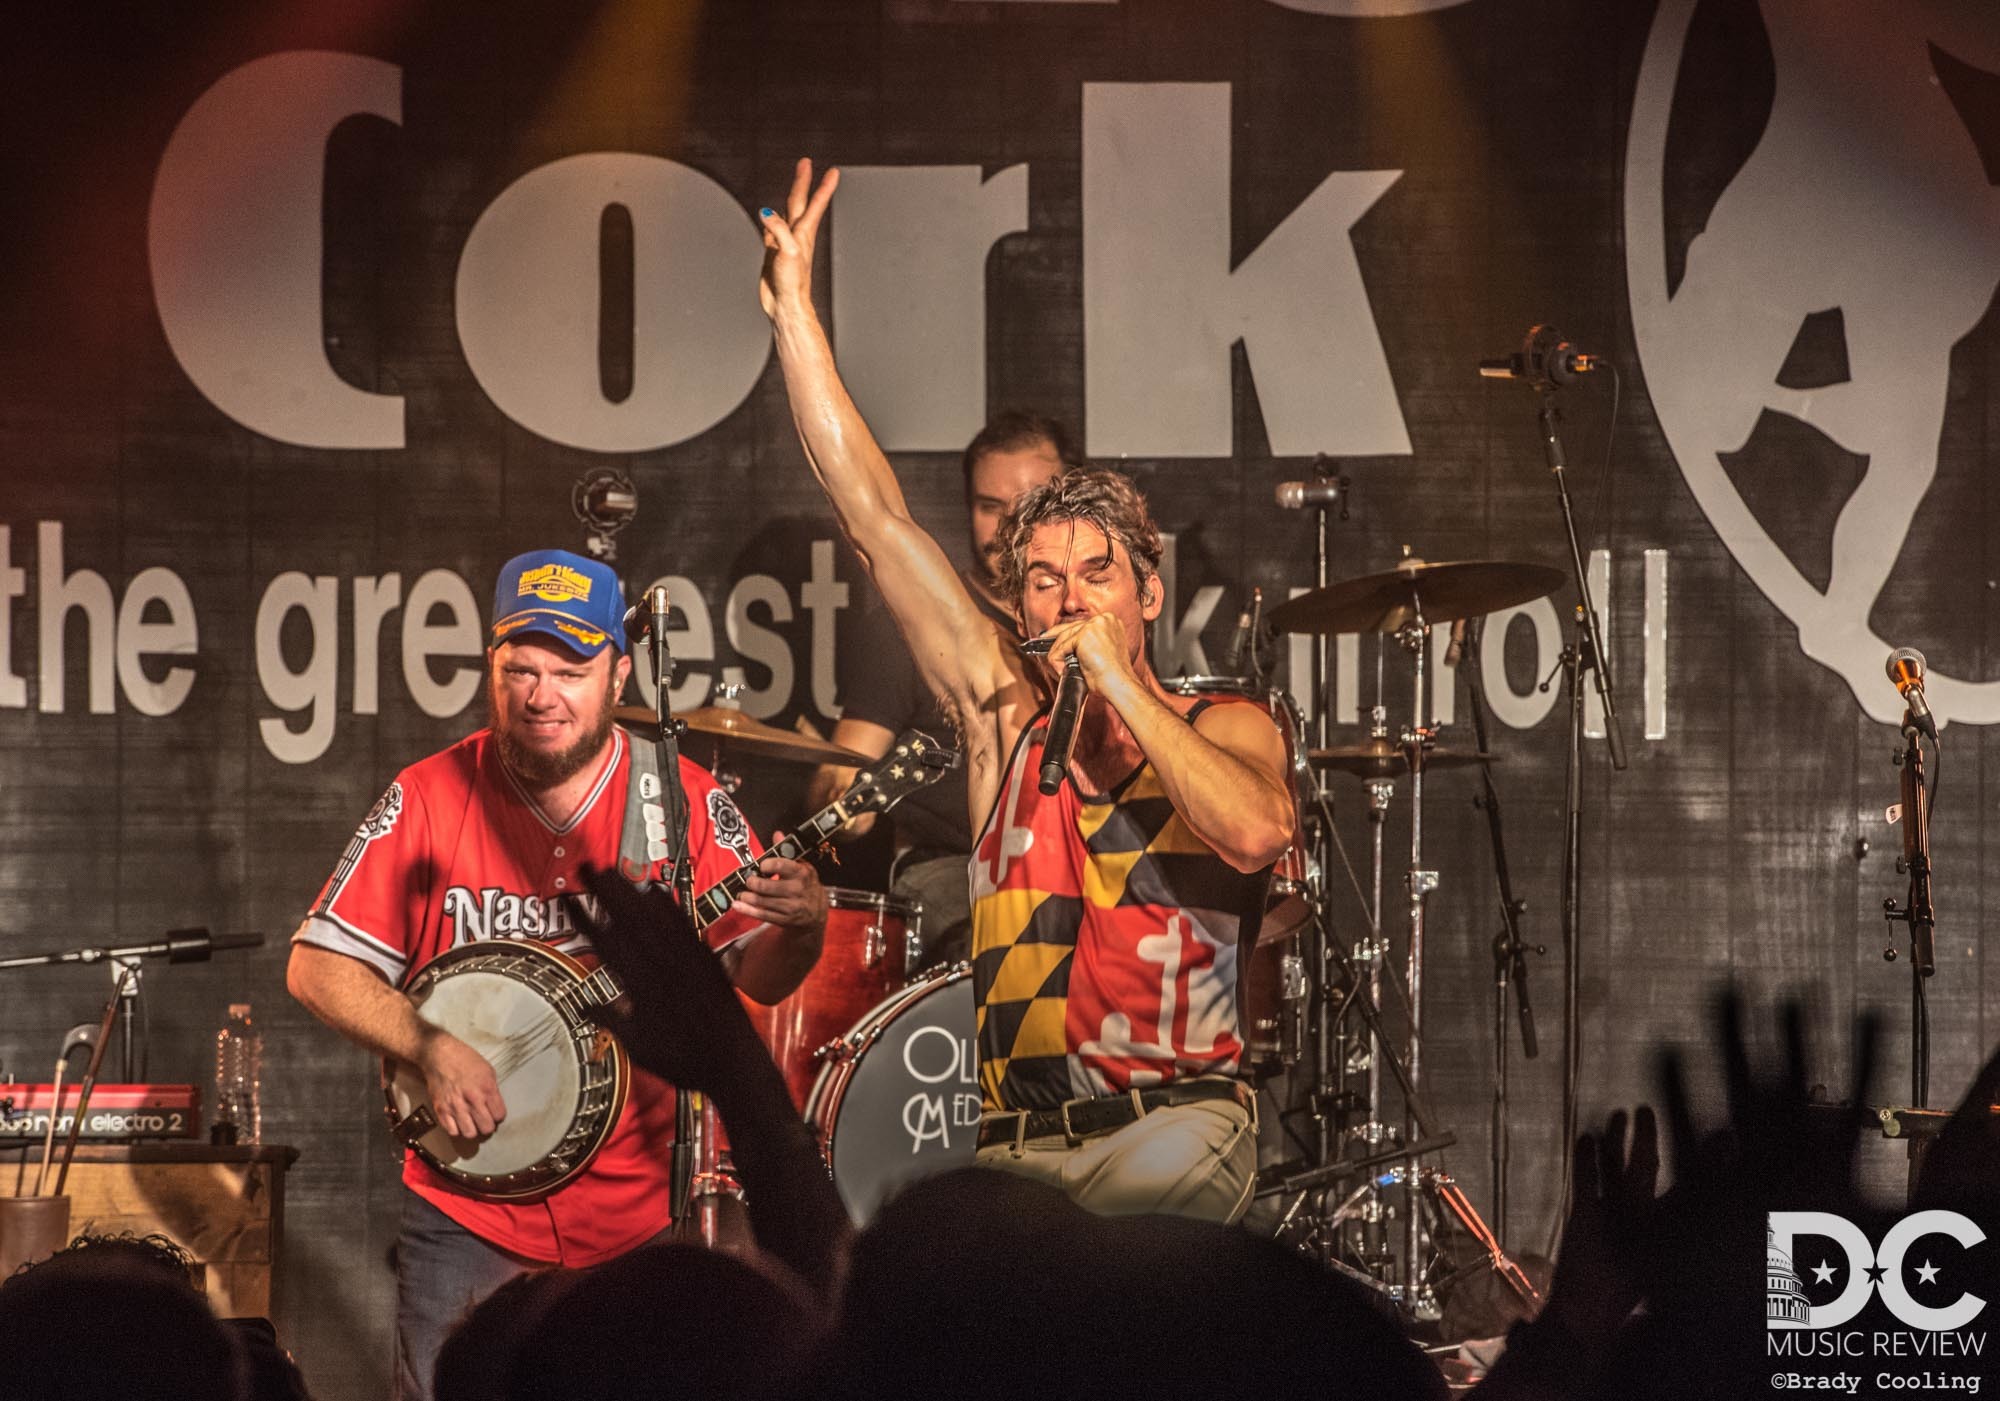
{"x": 1300, "y": 496}
{"x": 1906, "y": 670}
{"x": 1545, "y": 359}
{"x": 648, "y": 617}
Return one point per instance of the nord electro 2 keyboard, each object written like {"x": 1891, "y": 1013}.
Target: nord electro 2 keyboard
{"x": 117, "y": 1114}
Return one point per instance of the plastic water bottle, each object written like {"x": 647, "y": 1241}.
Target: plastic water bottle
{"x": 239, "y": 1066}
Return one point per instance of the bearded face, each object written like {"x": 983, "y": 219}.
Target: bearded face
{"x": 551, "y": 708}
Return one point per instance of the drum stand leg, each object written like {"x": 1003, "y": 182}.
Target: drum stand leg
{"x": 716, "y": 1216}
{"x": 1415, "y": 637}
{"x": 1371, "y": 952}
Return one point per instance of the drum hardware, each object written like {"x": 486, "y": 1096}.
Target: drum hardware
{"x": 1401, "y": 604}
{"x": 1378, "y": 760}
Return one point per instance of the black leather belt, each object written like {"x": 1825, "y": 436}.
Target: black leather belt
{"x": 1084, "y": 1118}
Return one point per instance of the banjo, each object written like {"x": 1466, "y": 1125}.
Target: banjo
{"x": 528, "y": 1009}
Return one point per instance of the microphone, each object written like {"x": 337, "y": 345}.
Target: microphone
{"x": 1544, "y": 360}
{"x": 1238, "y": 640}
{"x": 1906, "y": 670}
{"x": 1298, "y": 496}
{"x": 195, "y": 945}
{"x": 1062, "y": 727}
{"x": 1455, "y": 652}
{"x": 648, "y": 617}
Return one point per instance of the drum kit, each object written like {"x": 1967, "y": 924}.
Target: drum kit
{"x": 1339, "y": 1044}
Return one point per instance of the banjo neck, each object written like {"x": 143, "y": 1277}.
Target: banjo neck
{"x": 600, "y": 988}
{"x": 813, "y": 833}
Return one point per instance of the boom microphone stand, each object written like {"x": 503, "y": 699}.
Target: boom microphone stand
{"x": 1917, "y": 913}
{"x": 1584, "y": 654}
{"x": 1510, "y": 963}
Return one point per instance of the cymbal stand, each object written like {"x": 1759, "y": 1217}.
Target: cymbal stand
{"x": 1327, "y": 1066}
{"x": 1415, "y": 637}
{"x": 1370, "y": 952}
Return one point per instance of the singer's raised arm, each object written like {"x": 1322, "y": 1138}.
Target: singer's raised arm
{"x": 962, "y": 657}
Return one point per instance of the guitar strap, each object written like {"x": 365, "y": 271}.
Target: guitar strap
{"x": 642, "y": 839}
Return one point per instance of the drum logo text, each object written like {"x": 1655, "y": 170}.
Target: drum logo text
{"x": 937, "y": 1057}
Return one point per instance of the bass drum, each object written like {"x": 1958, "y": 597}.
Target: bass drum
{"x": 1270, "y": 989}
{"x": 899, "y": 1097}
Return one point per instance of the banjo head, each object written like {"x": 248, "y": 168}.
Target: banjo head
{"x": 563, "y": 1082}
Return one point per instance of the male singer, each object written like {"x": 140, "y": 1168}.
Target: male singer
{"x": 1110, "y": 915}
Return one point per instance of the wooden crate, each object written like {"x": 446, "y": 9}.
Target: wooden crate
{"x": 225, "y": 1205}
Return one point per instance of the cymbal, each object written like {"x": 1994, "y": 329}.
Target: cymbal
{"x": 1384, "y": 758}
{"x": 1385, "y": 602}
{"x": 746, "y": 735}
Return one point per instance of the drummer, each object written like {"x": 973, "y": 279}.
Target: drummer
{"x": 881, "y": 693}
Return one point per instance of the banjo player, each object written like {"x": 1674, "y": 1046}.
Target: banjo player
{"x": 482, "y": 841}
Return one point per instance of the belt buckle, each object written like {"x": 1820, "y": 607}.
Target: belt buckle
{"x": 1070, "y": 1135}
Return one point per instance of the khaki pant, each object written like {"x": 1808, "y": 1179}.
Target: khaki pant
{"x": 1197, "y": 1159}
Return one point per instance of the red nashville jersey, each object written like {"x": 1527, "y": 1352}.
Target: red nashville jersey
{"x": 456, "y": 851}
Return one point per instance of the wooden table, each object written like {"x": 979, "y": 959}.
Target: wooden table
{"x": 225, "y": 1205}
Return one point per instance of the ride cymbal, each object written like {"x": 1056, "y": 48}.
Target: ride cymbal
{"x": 1388, "y": 601}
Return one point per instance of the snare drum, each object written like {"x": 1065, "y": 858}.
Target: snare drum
{"x": 898, "y": 1098}
{"x": 871, "y": 947}
{"x": 1270, "y": 993}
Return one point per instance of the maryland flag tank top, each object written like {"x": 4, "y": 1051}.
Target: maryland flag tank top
{"x": 1104, "y": 939}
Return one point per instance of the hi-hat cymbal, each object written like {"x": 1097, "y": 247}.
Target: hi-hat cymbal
{"x": 1387, "y": 601}
{"x": 1384, "y": 758}
{"x": 744, "y": 734}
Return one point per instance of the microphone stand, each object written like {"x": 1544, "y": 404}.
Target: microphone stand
{"x": 667, "y": 751}
{"x": 177, "y": 946}
{"x": 1510, "y": 963}
{"x": 1585, "y": 653}
{"x": 1916, "y": 911}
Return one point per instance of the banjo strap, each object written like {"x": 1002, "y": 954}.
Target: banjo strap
{"x": 642, "y": 840}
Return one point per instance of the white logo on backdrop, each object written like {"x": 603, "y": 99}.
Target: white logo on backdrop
{"x": 1865, "y": 193}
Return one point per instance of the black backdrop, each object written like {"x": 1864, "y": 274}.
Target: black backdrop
{"x": 1223, "y": 238}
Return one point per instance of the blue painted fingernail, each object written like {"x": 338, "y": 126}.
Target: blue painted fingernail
{"x": 765, "y": 213}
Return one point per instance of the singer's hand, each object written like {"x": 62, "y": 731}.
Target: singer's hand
{"x": 1100, "y": 647}
{"x": 789, "y": 239}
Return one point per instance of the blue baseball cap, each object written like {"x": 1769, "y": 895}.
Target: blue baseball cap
{"x": 575, "y": 600}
